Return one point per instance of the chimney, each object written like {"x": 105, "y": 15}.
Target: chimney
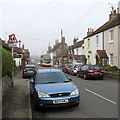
{"x": 75, "y": 40}
{"x": 23, "y": 46}
{"x": 56, "y": 42}
{"x": 113, "y": 14}
{"x": 49, "y": 49}
{"x": 90, "y": 30}
{"x": 117, "y": 10}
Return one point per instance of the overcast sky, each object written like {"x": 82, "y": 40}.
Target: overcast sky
{"x": 39, "y": 22}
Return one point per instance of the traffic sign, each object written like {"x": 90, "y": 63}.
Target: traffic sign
{"x": 12, "y": 39}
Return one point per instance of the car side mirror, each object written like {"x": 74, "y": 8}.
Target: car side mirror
{"x": 70, "y": 79}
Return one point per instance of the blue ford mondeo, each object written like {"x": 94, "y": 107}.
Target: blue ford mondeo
{"x": 52, "y": 88}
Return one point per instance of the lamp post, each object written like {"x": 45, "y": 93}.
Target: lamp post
{"x": 19, "y": 53}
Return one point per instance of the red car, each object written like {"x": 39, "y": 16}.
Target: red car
{"x": 90, "y": 71}
{"x": 66, "y": 67}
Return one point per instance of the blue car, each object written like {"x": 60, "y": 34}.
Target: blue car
{"x": 52, "y": 88}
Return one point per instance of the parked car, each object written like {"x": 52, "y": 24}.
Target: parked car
{"x": 73, "y": 70}
{"x": 29, "y": 71}
{"x": 52, "y": 88}
{"x": 66, "y": 67}
{"x": 90, "y": 71}
{"x": 69, "y": 69}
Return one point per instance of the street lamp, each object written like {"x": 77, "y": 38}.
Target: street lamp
{"x": 19, "y": 53}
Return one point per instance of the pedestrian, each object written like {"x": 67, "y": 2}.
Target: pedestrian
{"x": 58, "y": 63}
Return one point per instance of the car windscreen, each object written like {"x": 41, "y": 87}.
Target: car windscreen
{"x": 94, "y": 67}
{"x": 51, "y": 77}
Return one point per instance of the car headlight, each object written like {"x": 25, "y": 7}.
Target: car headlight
{"x": 75, "y": 92}
{"x": 43, "y": 95}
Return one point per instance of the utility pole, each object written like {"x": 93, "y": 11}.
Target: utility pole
{"x": 62, "y": 44}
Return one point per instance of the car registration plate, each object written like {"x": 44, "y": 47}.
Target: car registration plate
{"x": 97, "y": 72}
{"x": 60, "y": 101}
{"x": 30, "y": 71}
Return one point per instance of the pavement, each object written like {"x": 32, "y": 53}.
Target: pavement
{"x": 16, "y": 103}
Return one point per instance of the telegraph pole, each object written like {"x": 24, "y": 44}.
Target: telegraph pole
{"x": 62, "y": 44}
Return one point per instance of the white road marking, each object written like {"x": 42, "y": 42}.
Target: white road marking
{"x": 100, "y": 96}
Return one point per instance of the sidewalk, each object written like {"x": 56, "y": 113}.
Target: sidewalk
{"x": 15, "y": 103}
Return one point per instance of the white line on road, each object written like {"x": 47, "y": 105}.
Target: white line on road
{"x": 100, "y": 96}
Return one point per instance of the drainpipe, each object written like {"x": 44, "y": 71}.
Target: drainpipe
{"x": 103, "y": 41}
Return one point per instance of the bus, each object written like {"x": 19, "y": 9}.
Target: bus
{"x": 45, "y": 60}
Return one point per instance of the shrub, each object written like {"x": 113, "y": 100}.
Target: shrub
{"x": 113, "y": 68}
{"x": 7, "y": 63}
{"x": 106, "y": 67}
{"x": 110, "y": 68}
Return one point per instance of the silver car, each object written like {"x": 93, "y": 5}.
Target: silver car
{"x": 73, "y": 70}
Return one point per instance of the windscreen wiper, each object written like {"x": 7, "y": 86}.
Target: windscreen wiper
{"x": 66, "y": 81}
{"x": 48, "y": 82}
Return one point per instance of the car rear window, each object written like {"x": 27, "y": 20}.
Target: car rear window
{"x": 94, "y": 67}
{"x": 30, "y": 68}
{"x": 79, "y": 65}
{"x": 56, "y": 77}
{"x": 70, "y": 64}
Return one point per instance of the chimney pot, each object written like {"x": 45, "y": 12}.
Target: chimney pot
{"x": 118, "y": 10}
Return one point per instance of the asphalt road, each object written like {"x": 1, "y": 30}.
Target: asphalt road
{"x": 98, "y": 99}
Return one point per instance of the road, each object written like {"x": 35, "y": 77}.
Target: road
{"x": 98, "y": 99}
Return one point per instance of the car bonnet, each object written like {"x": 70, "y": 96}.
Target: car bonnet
{"x": 53, "y": 88}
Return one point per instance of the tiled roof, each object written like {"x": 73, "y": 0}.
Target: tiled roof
{"x": 110, "y": 24}
{"x": 77, "y": 57}
{"x": 64, "y": 54}
{"x": 78, "y": 44}
{"x": 56, "y": 46}
{"x": 102, "y": 53}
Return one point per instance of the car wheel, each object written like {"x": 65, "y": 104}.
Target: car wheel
{"x": 84, "y": 77}
{"x": 77, "y": 104}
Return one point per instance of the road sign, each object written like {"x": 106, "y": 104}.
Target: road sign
{"x": 12, "y": 45}
{"x": 12, "y": 39}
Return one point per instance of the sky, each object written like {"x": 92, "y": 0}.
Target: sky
{"x": 38, "y": 23}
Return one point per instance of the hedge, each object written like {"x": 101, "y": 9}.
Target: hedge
{"x": 110, "y": 68}
{"x": 7, "y": 63}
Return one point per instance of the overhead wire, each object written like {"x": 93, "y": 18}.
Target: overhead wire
{"x": 42, "y": 16}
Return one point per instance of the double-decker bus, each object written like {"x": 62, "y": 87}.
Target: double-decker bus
{"x": 45, "y": 60}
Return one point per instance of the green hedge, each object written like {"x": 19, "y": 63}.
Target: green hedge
{"x": 7, "y": 63}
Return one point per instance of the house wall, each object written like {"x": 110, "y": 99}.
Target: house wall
{"x": 119, "y": 46}
{"x": 96, "y": 46}
{"x": 79, "y": 51}
{"x": 86, "y": 49}
{"x": 17, "y": 61}
{"x": 112, "y": 47}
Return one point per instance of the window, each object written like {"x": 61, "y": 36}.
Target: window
{"x": 97, "y": 40}
{"x": 88, "y": 43}
{"x": 111, "y": 36}
{"x": 88, "y": 59}
{"x": 77, "y": 51}
{"x": 104, "y": 61}
{"x": 111, "y": 59}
